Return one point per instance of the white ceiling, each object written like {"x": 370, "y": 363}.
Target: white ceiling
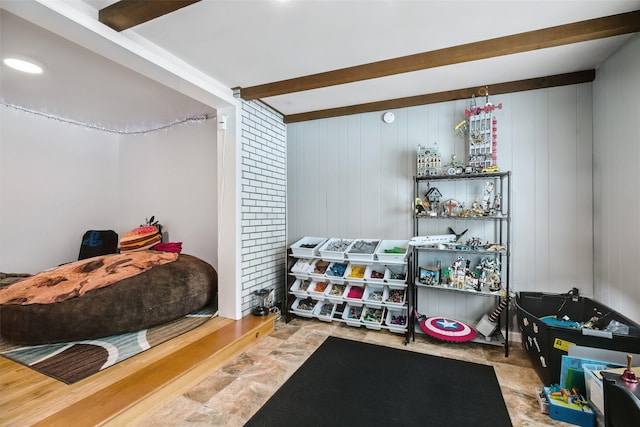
{"x": 242, "y": 43}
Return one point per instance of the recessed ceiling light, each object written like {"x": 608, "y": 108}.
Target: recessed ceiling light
{"x": 24, "y": 64}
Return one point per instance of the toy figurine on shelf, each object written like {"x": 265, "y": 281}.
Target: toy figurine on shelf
{"x": 451, "y": 208}
{"x": 488, "y": 196}
{"x": 497, "y": 203}
{"x": 433, "y": 197}
{"x": 455, "y": 167}
{"x": 421, "y": 207}
{"x": 491, "y": 273}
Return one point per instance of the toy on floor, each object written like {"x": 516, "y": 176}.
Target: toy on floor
{"x": 446, "y": 329}
{"x": 489, "y": 322}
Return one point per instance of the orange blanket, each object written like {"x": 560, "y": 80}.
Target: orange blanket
{"x": 77, "y": 278}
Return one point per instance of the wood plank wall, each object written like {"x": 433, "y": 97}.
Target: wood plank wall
{"x": 616, "y": 104}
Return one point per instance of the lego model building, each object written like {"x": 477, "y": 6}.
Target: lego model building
{"x": 429, "y": 161}
{"x": 482, "y": 131}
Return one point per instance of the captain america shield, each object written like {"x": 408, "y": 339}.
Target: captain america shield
{"x": 447, "y": 329}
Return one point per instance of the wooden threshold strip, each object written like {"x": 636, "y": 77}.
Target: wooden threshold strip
{"x": 592, "y": 29}
{"x": 450, "y": 95}
{"x": 133, "y": 397}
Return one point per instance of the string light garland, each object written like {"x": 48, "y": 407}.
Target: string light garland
{"x": 191, "y": 119}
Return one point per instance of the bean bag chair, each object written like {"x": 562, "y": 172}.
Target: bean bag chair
{"x": 137, "y": 295}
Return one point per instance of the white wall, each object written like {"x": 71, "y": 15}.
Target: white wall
{"x": 59, "y": 180}
{"x": 172, "y": 175}
{"x": 353, "y": 177}
{"x": 616, "y": 105}
{"x": 56, "y": 181}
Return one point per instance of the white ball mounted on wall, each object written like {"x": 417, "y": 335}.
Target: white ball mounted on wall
{"x": 388, "y": 117}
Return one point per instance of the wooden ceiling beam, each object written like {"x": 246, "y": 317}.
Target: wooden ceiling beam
{"x": 591, "y": 29}
{"x": 129, "y": 13}
{"x": 450, "y": 95}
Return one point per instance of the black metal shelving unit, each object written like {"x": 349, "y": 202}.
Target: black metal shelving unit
{"x": 500, "y": 228}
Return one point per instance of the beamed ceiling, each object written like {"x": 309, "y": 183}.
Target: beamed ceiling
{"x": 312, "y": 59}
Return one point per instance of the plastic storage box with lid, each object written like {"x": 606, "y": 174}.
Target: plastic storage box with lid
{"x": 307, "y": 246}
{"x": 362, "y": 250}
{"x": 547, "y": 343}
{"x": 593, "y": 384}
{"x": 561, "y": 410}
{"x": 392, "y": 251}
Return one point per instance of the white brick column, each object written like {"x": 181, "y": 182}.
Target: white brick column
{"x": 263, "y": 201}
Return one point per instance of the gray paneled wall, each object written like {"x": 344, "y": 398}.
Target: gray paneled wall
{"x": 353, "y": 177}
{"x": 616, "y": 104}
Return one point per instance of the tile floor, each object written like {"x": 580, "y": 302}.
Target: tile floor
{"x": 232, "y": 394}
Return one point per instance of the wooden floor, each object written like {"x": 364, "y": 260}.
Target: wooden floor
{"x": 131, "y": 389}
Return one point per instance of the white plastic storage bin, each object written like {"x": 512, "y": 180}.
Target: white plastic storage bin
{"x": 388, "y": 245}
{"x": 593, "y": 383}
{"x": 375, "y": 273}
{"x": 396, "y": 275}
{"x": 354, "y": 294}
{"x": 317, "y": 289}
{"x": 374, "y": 295}
{"x": 355, "y": 272}
{"x": 351, "y": 315}
{"x": 300, "y": 288}
{"x": 307, "y": 246}
{"x": 335, "y": 292}
{"x": 362, "y": 250}
{"x": 319, "y": 268}
{"x": 302, "y": 267}
{"x": 395, "y": 296}
{"x": 396, "y": 320}
{"x": 324, "y": 311}
{"x": 335, "y": 272}
{"x": 372, "y": 317}
{"x": 304, "y": 306}
{"x": 334, "y": 249}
